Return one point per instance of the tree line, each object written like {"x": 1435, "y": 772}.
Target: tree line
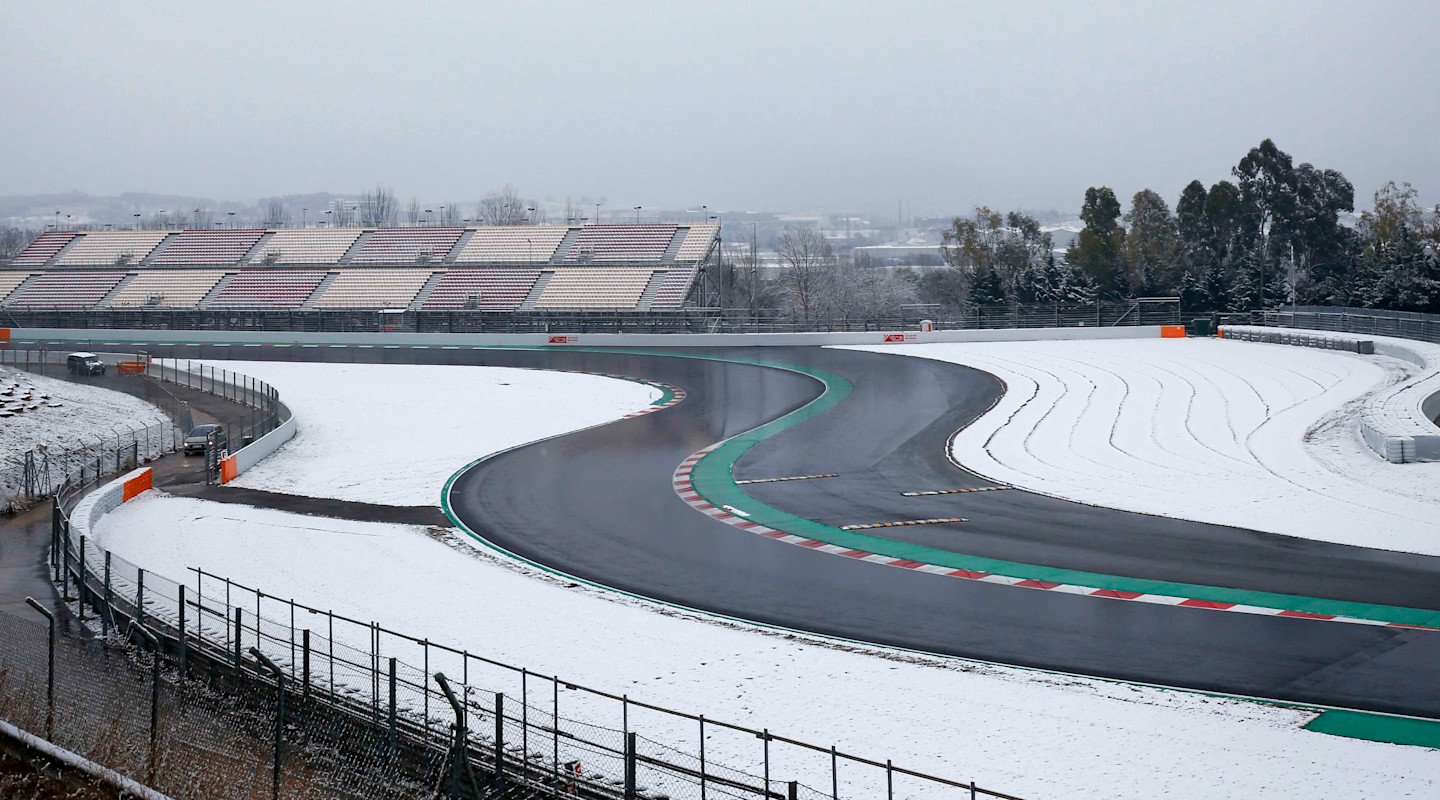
{"x": 1271, "y": 234}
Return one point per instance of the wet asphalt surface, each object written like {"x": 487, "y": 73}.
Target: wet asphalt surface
{"x": 598, "y": 504}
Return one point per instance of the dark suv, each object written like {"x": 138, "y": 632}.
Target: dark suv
{"x": 85, "y": 364}
{"x": 199, "y": 435}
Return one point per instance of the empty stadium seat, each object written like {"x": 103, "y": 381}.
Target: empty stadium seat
{"x": 590, "y": 287}
{"x": 697, "y": 242}
{"x": 487, "y": 289}
{"x": 44, "y": 248}
{"x": 206, "y": 247}
{"x": 167, "y": 288}
{"x": 620, "y": 243}
{"x": 508, "y": 244}
{"x": 373, "y": 288}
{"x": 65, "y": 289}
{"x": 307, "y": 246}
{"x": 674, "y": 288}
{"x": 9, "y": 280}
{"x": 109, "y": 248}
{"x": 269, "y": 288}
{"x": 407, "y": 246}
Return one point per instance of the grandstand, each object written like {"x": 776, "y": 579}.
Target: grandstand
{"x": 206, "y": 248}
{"x": 306, "y": 246}
{"x": 519, "y": 269}
{"x": 373, "y": 288}
{"x": 167, "y": 288}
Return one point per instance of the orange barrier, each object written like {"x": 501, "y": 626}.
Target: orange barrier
{"x": 1172, "y": 331}
{"x": 229, "y": 470}
{"x": 4, "y": 334}
{"x": 143, "y": 481}
{"x": 130, "y": 367}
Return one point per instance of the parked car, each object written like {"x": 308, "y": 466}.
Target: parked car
{"x": 85, "y": 364}
{"x": 199, "y": 436}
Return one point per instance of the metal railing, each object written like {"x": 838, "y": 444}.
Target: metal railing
{"x": 37, "y": 473}
{"x": 1364, "y": 321}
{"x": 510, "y": 726}
{"x": 1145, "y": 311}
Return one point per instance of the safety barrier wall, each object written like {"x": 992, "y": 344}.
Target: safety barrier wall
{"x": 1398, "y": 422}
{"x": 107, "y": 498}
{"x": 241, "y": 389}
{"x": 112, "y": 337}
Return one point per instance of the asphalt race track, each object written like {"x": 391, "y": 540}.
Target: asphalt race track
{"x": 599, "y": 505}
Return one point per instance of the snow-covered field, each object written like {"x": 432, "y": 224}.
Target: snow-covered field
{"x": 1235, "y": 433}
{"x": 1027, "y": 733}
{"x": 69, "y": 416}
{"x": 392, "y": 434}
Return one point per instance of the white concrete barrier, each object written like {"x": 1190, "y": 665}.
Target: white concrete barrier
{"x": 1397, "y": 422}
{"x": 101, "y": 338}
{"x": 107, "y": 498}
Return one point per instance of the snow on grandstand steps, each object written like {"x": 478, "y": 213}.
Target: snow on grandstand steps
{"x": 393, "y": 433}
{"x": 1260, "y": 436}
{"x": 1028, "y": 733}
{"x": 60, "y": 415}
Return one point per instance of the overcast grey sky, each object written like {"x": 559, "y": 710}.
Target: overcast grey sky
{"x": 738, "y": 105}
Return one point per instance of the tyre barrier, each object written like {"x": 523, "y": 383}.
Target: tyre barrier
{"x": 1321, "y": 341}
{"x": 1397, "y": 422}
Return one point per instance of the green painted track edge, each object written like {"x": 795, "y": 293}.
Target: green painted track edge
{"x": 1366, "y": 725}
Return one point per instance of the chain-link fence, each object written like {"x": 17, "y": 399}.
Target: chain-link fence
{"x": 446, "y": 718}
{"x": 1140, "y": 311}
{"x": 39, "y": 472}
{"x": 1364, "y": 321}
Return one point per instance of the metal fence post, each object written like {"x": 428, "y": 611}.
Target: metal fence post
{"x": 279, "y": 719}
{"x": 184, "y": 650}
{"x": 238, "y": 630}
{"x": 766, "y": 736}
{"x": 630, "y": 767}
{"x": 555, "y": 726}
{"x": 461, "y": 776}
{"x": 500, "y": 739}
{"x": 305, "y": 667}
{"x": 152, "y": 760}
{"x": 792, "y": 791}
{"x": 889, "y": 780}
{"x": 834, "y": 774}
{"x": 49, "y": 670}
{"x": 80, "y": 583}
{"x": 391, "y": 715}
{"x": 702, "y": 757}
{"x": 140, "y": 597}
{"x": 107, "y": 615}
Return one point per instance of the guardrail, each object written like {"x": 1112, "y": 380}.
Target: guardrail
{"x": 1401, "y": 423}
{"x": 1140, "y": 311}
{"x": 35, "y": 474}
{"x": 507, "y": 726}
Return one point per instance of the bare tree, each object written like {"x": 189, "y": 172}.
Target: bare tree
{"x": 807, "y": 261}
{"x": 450, "y": 214}
{"x": 504, "y": 207}
{"x": 413, "y": 214}
{"x": 573, "y": 212}
{"x": 378, "y": 207}
{"x": 276, "y": 215}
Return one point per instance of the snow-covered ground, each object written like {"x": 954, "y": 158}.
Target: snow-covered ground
{"x": 65, "y": 416}
{"x": 392, "y": 434}
{"x": 1235, "y": 433}
{"x": 1027, "y": 733}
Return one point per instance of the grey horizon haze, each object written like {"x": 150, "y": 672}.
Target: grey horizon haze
{"x": 738, "y": 105}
